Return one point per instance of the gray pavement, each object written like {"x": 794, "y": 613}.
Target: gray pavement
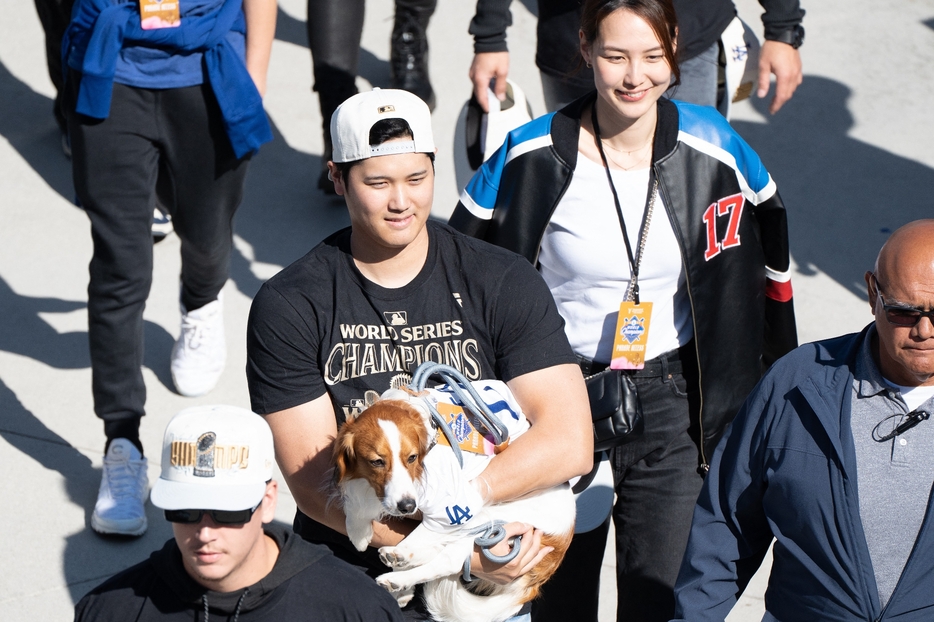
{"x": 850, "y": 153}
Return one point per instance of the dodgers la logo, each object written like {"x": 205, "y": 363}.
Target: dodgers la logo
{"x": 732, "y": 206}
{"x": 457, "y": 514}
{"x": 633, "y": 328}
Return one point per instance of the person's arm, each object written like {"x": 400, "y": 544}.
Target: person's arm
{"x": 559, "y": 444}
{"x": 778, "y": 57}
{"x": 303, "y": 437}
{"x": 489, "y": 67}
{"x": 784, "y": 62}
{"x": 260, "y": 18}
{"x": 729, "y": 533}
{"x": 491, "y": 56}
{"x": 781, "y": 333}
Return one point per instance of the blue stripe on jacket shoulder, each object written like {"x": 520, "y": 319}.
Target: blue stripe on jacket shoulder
{"x": 708, "y": 125}
{"x": 484, "y": 185}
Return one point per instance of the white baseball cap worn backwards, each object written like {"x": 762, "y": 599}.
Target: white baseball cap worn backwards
{"x": 214, "y": 458}
{"x": 352, "y": 121}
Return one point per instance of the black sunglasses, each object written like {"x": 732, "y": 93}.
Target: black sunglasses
{"x": 221, "y": 517}
{"x": 902, "y": 315}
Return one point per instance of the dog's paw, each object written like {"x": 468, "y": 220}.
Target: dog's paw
{"x": 360, "y": 534}
{"x": 404, "y": 597}
{"x": 400, "y": 589}
{"x": 395, "y": 557}
{"x": 401, "y": 556}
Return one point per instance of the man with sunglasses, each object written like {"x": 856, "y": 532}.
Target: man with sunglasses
{"x": 227, "y": 560}
{"x": 832, "y": 456}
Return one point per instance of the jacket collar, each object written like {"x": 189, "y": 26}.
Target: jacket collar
{"x": 830, "y": 394}
{"x": 566, "y": 127}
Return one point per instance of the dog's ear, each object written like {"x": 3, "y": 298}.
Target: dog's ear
{"x": 425, "y": 437}
{"x": 370, "y": 397}
{"x": 343, "y": 451}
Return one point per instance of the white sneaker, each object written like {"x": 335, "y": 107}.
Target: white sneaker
{"x": 161, "y": 223}
{"x": 123, "y": 491}
{"x": 199, "y": 355}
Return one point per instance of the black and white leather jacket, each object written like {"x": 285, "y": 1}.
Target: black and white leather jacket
{"x": 726, "y": 215}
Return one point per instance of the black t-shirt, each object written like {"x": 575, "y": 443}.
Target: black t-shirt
{"x": 321, "y": 326}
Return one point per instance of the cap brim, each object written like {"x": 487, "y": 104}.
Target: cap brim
{"x": 169, "y": 495}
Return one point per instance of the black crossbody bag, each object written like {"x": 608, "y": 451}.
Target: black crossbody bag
{"x": 615, "y": 407}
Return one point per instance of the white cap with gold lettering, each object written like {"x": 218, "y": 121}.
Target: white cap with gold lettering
{"x": 214, "y": 458}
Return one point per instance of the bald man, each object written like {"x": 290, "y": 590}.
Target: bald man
{"x": 832, "y": 455}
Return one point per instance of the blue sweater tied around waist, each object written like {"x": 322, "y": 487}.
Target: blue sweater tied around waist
{"x": 99, "y": 29}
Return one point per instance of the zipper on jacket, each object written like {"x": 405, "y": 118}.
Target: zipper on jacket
{"x": 704, "y": 467}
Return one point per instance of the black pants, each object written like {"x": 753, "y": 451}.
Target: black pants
{"x": 55, "y": 15}
{"x": 334, "y": 32}
{"x": 657, "y": 485}
{"x": 177, "y": 137}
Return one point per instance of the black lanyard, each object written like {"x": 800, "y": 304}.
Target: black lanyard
{"x": 634, "y": 262}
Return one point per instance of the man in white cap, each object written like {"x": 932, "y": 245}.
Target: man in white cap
{"x": 226, "y": 559}
{"x": 364, "y": 308}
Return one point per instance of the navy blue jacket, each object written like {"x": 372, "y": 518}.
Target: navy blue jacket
{"x": 787, "y": 468}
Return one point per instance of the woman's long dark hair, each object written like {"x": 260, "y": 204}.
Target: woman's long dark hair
{"x": 658, "y": 14}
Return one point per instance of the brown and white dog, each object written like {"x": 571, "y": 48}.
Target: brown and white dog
{"x": 388, "y": 465}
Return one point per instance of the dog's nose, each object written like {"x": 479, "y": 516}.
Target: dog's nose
{"x": 406, "y": 506}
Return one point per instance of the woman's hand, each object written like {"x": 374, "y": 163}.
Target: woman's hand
{"x": 531, "y": 552}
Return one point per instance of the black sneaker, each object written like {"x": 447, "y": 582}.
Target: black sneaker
{"x": 408, "y": 58}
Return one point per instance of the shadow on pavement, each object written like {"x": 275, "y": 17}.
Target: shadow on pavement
{"x": 283, "y": 214}
{"x": 88, "y": 557}
{"x": 844, "y": 196}
{"x": 28, "y": 334}
{"x": 26, "y": 121}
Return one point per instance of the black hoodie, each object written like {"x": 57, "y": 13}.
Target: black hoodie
{"x": 307, "y": 583}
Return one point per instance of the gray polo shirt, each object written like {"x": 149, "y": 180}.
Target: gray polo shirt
{"x": 894, "y": 477}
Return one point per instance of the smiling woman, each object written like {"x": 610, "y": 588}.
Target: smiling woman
{"x": 634, "y": 206}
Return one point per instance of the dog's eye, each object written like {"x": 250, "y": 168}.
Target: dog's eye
{"x": 377, "y": 464}
{"x": 413, "y": 458}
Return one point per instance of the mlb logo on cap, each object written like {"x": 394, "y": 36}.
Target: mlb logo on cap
{"x": 214, "y": 458}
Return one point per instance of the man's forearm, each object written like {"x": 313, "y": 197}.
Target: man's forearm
{"x": 558, "y": 446}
